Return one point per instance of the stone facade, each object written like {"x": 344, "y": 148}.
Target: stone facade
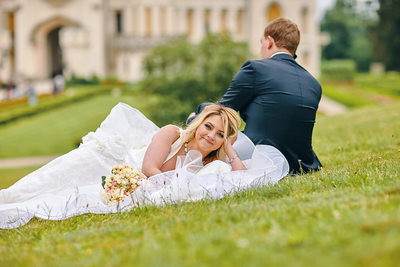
{"x": 39, "y": 38}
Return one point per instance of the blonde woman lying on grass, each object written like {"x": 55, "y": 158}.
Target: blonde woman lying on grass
{"x": 201, "y": 161}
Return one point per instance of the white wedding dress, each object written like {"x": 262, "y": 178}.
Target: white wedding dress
{"x": 70, "y": 184}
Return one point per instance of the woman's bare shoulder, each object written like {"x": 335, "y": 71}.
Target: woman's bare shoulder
{"x": 171, "y": 129}
{"x": 169, "y": 132}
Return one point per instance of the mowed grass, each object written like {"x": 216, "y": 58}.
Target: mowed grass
{"x": 61, "y": 130}
{"x": 9, "y": 176}
{"x": 346, "y": 215}
{"x": 365, "y": 90}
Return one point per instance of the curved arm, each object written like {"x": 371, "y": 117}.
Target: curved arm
{"x": 235, "y": 161}
{"x": 190, "y": 118}
{"x": 159, "y": 149}
{"x": 242, "y": 88}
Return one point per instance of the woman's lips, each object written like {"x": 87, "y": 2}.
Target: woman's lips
{"x": 209, "y": 142}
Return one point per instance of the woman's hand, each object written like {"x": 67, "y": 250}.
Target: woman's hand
{"x": 233, "y": 158}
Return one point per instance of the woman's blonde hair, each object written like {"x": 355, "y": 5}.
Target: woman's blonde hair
{"x": 230, "y": 123}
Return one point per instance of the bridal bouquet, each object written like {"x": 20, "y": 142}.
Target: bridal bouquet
{"x": 122, "y": 182}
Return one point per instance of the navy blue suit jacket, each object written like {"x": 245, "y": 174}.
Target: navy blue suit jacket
{"x": 278, "y": 100}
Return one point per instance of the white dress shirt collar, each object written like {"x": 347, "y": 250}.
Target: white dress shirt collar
{"x": 277, "y": 53}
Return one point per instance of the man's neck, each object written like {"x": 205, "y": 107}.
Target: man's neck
{"x": 280, "y": 52}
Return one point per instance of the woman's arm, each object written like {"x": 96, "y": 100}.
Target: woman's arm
{"x": 159, "y": 149}
{"x": 234, "y": 160}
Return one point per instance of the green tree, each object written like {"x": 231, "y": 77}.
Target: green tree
{"x": 335, "y": 22}
{"x": 348, "y": 26}
{"x": 387, "y": 34}
{"x": 184, "y": 75}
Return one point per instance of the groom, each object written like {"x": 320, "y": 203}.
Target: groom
{"x": 277, "y": 98}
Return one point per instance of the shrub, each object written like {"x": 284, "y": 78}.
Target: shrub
{"x": 112, "y": 80}
{"x": 76, "y": 80}
{"x": 338, "y": 70}
{"x": 188, "y": 74}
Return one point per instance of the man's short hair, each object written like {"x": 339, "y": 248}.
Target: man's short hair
{"x": 285, "y": 33}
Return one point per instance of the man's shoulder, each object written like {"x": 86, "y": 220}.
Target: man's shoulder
{"x": 269, "y": 65}
{"x": 268, "y": 61}
{"x": 257, "y": 63}
{"x": 275, "y": 65}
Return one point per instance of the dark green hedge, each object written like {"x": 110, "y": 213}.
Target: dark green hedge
{"x": 338, "y": 70}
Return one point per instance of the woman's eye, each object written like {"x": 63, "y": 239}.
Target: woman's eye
{"x": 208, "y": 126}
{"x": 221, "y": 135}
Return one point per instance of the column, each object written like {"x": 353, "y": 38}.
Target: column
{"x": 197, "y": 25}
{"x": 231, "y": 21}
{"x": 127, "y": 21}
{"x": 180, "y": 20}
{"x": 170, "y": 27}
{"x": 141, "y": 20}
{"x": 215, "y": 20}
{"x": 162, "y": 20}
{"x": 255, "y": 23}
{"x": 135, "y": 20}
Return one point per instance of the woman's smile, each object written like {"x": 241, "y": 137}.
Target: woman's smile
{"x": 210, "y": 134}
{"x": 208, "y": 141}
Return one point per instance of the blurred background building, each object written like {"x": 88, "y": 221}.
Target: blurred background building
{"x": 42, "y": 38}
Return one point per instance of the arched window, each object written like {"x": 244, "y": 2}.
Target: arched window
{"x": 148, "y": 21}
{"x": 304, "y": 20}
{"x": 189, "y": 22}
{"x": 224, "y": 17}
{"x": 118, "y": 21}
{"x": 11, "y": 28}
{"x": 207, "y": 14}
{"x": 240, "y": 21}
{"x": 273, "y": 12}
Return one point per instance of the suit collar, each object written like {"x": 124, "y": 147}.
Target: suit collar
{"x": 284, "y": 56}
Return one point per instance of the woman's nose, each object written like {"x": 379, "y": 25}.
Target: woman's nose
{"x": 211, "y": 134}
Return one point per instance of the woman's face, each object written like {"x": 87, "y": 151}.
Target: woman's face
{"x": 210, "y": 134}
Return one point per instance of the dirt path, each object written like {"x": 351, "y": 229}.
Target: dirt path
{"x": 25, "y": 162}
{"x": 330, "y": 107}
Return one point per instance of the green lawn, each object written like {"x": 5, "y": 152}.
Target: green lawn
{"x": 366, "y": 89}
{"x": 387, "y": 84}
{"x": 346, "y": 215}
{"x": 10, "y": 175}
{"x": 61, "y": 130}
{"x": 17, "y": 108}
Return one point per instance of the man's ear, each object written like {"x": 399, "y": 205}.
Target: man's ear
{"x": 271, "y": 42}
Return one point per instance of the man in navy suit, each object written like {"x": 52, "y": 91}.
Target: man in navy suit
{"x": 277, "y": 98}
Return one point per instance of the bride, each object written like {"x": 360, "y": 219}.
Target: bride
{"x": 202, "y": 161}
{"x": 211, "y": 134}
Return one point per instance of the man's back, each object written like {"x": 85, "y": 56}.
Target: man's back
{"x": 278, "y": 100}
